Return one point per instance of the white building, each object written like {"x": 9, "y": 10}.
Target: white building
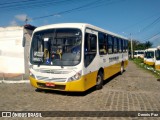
{"x": 13, "y": 56}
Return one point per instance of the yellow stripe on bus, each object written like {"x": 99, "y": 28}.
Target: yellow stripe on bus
{"x": 149, "y": 63}
{"x": 157, "y": 67}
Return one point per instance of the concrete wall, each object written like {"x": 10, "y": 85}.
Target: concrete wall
{"x": 14, "y": 57}
{"x": 27, "y": 35}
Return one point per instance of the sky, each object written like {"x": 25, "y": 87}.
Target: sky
{"x": 138, "y": 18}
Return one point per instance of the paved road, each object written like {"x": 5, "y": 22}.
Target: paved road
{"x": 135, "y": 90}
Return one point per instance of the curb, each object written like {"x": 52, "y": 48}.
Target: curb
{"x": 21, "y": 81}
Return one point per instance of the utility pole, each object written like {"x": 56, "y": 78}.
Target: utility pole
{"x": 130, "y": 37}
{"x": 131, "y": 46}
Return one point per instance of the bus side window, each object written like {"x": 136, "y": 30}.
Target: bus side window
{"x": 115, "y": 48}
{"x": 124, "y": 46}
{"x": 102, "y": 44}
{"x": 127, "y": 45}
{"x": 90, "y": 48}
{"x": 120, "y": 45}
{"x": 110, "y": 44}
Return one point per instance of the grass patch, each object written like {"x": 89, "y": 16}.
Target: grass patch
{"x": 139, "y": 62}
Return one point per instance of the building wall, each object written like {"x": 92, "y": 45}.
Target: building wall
{"x": 11, "y": 50}
{"x": 14, "y": 57}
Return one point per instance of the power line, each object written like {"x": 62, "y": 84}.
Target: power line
{"x": 8, "y": 3}
{"x": 152, "y": 36}
{"x": 151, "y": 24}
{"x": 32, "y": 3}
{"x": 68, "y": 11}
{"x": 133, "y": 25}
{"x": 97, "y": 3}
{"x": 39, "y": 4}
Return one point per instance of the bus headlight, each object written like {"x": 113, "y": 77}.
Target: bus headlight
{"x": 76, "y": 76}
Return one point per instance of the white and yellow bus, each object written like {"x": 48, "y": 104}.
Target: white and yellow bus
{"x": 75, "y": 56}
{"x": 157, "y": 62}
{"x": 150, "y": 56}
{"x": 145, "y": 56}
{"x": 139, "y": 53}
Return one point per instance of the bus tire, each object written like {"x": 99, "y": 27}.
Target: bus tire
{"x": 99, "y": 82}
{"x": 39, "y": 90}
{"x": 122, "y": 68}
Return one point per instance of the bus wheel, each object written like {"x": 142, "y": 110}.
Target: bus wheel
{"x": 122, "y": 68}
{"x": 99, "y": 84}
{"x": 39, "y": 90}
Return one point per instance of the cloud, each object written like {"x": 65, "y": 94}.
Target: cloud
{"x": 21, "y": 17}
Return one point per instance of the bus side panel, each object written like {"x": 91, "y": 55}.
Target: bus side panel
{"x": 77, "y": 85}
{"x": 125, "y": 63}
{"x": 111, "y": 70}
{"x": 90, "y": 79}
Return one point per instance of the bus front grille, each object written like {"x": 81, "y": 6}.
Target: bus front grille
{"x": 51, "y": 79}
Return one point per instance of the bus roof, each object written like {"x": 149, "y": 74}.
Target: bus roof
{"x": 77, "y": 25}
{"x": 151, "y": 49}
{"x": 158, "y": 47}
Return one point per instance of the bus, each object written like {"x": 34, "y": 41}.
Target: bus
{"x": 150, "y": 56}
{"x": 75, "y": 56}
{"x": 139, "y": 53}
{"x": 157, "y": 62}
{"x": 145, "y": 56}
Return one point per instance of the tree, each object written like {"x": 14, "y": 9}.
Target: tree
{"x": 148, "y": 44}
{"x": 137, "y": 45}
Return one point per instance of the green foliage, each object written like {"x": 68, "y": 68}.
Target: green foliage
{"x": 139, "y": 63}
{"x": 140, "y": 46}
{"x": 148, "y": 44}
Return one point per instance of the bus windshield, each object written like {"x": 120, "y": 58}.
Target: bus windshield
{"x": 140, "y": 52}
{"x": 150, "y": 54}
{"x": 158, "y": 55}
{"x": 57, "y": 47}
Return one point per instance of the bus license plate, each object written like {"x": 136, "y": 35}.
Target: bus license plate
{"x": 50, "y": 84}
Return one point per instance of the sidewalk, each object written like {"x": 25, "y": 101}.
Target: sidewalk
{"x": 14, "y": 81}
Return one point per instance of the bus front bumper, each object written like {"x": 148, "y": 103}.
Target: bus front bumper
{"x": 157, "y": 67}
{"x": 77, "y": 85}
